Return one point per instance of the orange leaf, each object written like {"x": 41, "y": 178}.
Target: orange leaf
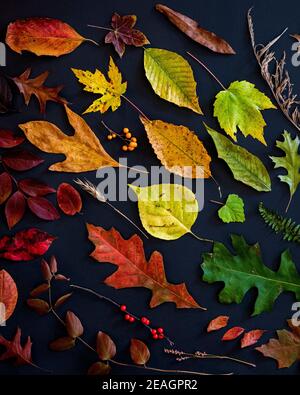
{"x": 133, "y": 268}
{"x": 139, "y": 352}
{"x": 217, "y": 323}
{"x": 106, "y": 348}
{"x": 251, "y": 337}
{"x": 233, "y": 333}
{"x": 8, "y": 295}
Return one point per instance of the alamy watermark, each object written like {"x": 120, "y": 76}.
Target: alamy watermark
{"x": 2, "y": 314}
{"x": 295, "y": 60}
{"x": 2, "y": 54}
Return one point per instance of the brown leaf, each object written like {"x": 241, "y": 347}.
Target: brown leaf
{"x": 68, "y": 199}
{"x": 5, "y": 187}
{"x": 133, "y": 268}
{"x": 8, "y": 296}
{"x": 35, "y": 86}
{"x": 195, "y": 32}
{"x": 39, "y": 290}
{"x": 217, "y": 323}
{"x": 105, "y": 346}
{"x": 62, "y": 344}
{"x": 251, "y": 337}
{"x": 73, "y": 325}
{"x": 14, "y": 349}
{"x": 99, "y": 369}
{"x": 83, "y": 150}
{"x": 45, "y": 269}
{"x": 233, "y": 333}
{"x": 39, "y": 306}
{"x": 61, "y": 300}
{"x": 139, "y": 352}
{"x": 15, "y": 209}
{"x": 53, "y": 265}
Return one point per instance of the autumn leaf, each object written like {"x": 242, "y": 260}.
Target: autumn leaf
{"x": 83, "y": 150}
{"x": 25, "y": 245}
{"x": 233, "y": 209}
{"x": 96, "y": 82}
{"x": 5, "y": 187}
{"x": 245, "y": 270}
{"x": 40, "y": 306}
{"x": 191, "y": 28}
{"x": 68, "y": 199}
{"x": 106, "y": 348}
{"x": 218, "y": 323}
{"x": 239, "y": 106}
{"x": 124, "y": 34}
{"x": 8, "y": 139}
{"x": 99, "y": 369}
{"x": 42, "y": 208}
{"x": 8, "y": 296}
{"x": 6, "y": 96}
{"x": 171, "y": 78}
{"x": 233, "y": 333}
{"x": 251, "y": 337}
{"x": 15, "y": 209}
{"x": 34, "y": 188}
{"x": 139, "y": 352}
{"x": 35, "y": 86}
{"x": 62, "y": 344}
{"x": 21, "y": 160}
{"x": 43, "y": 36}
{"x": 178, "y": 149}
{"x": 73, "y": 325}
{"x": 14, "y": 349}
{"x": 133, "y": 269}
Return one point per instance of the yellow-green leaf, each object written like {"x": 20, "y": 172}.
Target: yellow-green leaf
{"x": 171, "y": 78}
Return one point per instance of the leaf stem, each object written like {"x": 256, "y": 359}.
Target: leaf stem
{"x": 101, "y": 27}
{"x": 289, "y": 202}
{"x": 136, "y": 108}
{"x": 201, "y": 239}
{"x": 217, "y": 202}
{"x": 92, "y": 41}
{"x": 207, "y": 69}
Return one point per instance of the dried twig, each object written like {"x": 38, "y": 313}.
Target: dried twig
{"x": 279, "y": 81}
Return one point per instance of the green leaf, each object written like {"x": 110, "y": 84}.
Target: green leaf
{"x": 239, "y": 106}
{"x": 245, "y": 166}
{"x": 167, "y": 211}
{"x": 245, "y": 270}
{"x": 233, "y": 210}
{"x": 290, "y": 162}
{"x": 171, "y": 78}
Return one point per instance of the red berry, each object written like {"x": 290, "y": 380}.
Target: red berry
{"x": 153, "y": 331}
{"x": 127, "y": 317}
{"x": 160, "y": 330}
{"x": 131, "y": 319}
{"x": 155, "y": 336}
{"x": 144, "y": 320}
{"x": 123, "y": 307}
{"x": 148, "y": 322}
{"x": 160, "y": 336}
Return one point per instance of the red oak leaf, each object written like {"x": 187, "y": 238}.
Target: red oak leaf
{"x": 21, "y": 160}
{"x": 15, "y": 209}
{"x": 14, "y": 349}
{"x": 233, "y": 333}
{"x": 34, "y": 187}
{"x": 124, "y": 34}
{"x": 9, "y": 140}
{"x": 217, "y": 323}
{"x": 42, "y": 208}
{"x": 251, "y": 337}
{"x": 133, "y": 268}
{"x": 25, "y": 245}
{"x": 5, "y": 187}
{"x": 68, "y": 199}
{"x": 8, "y": 295}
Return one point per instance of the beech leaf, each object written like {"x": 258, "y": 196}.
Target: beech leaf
{"x": 8, "y": 296}
{"x": 133, "y": 268}
{"x": 233, "y": 210}
{"x": 251, "y": 337}
{"x": 14, "y": 349}
{"x": 42, "y": 208}
{"x": 218, "y": 323}
{"x": 191, "y": 28}
{"x": 68, "y": 199}
{"x": 106, "y": 348}
{"x": 5, "y": 187}
{"x": 99, "y": 369}
{"x": 39, "y": 290}
{"x": 171, "y": 78}
{"x": 62, "y": 299}
{"x": 73, "y": 325}
{"x": 15, "y": 209}
{"x": 8, "y": 139}
{"x": 139, "y": 352}
{"x": 62, "y": 344}
{"x": 233, "y": 333}
{"x": 21, "y": 160}
{"x": 83, "y": 150}
{"x": 38, "y": 305}
{"x": 178, "y": 149}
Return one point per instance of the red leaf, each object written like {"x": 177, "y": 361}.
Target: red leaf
{"x": 39, "y": 306}
{"x": 8, "y": 296}
{"x": 25, "y": 245}
{"x": 42, "y": 208}
{"x": 45, "y": 269}
{"x": 35, "y": 188}
{"x": 233, "y": 333}
{"x": 73, "y": 325}
{"x": 21, "y": 160}
{"x": 106, "y": 347}
{"x": 14, "y": 349}
{"x": 217, "y": 323}
{"x": 15, "y": 209}
{"x": 251, "y": 337}
{"x": 139, "y": 352}
{"x": 134, "y": 270}
{"x": 68, "y": 199}
{"x": 9, "y": 140}
{"x": 61, "y": 300}
{"x": 99, "y": 369}
{"x": 5, "y": 187}
{"x": 39, "y": 290}
{"x": 53, "y": 265}
{"x": 62, "y": 344}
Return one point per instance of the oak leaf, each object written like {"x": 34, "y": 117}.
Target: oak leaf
{"x": 133, "y": 268}
{"x": 83, "y": 150}
{"x": 14, "y": 349}
{"x": 8, "y": 296}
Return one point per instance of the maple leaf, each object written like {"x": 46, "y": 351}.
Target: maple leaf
{"x": 14, "y": 349}
{"x": 240, "y": 106}
{"x": 285, "y": 349}
{"x": 124, "y": 34}
{"x": 133, "y": 268}
{"x": 35, "y": 86}
{"x": 96, "y": 82}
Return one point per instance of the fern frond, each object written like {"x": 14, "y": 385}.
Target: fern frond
{"x": 289, "y": 230}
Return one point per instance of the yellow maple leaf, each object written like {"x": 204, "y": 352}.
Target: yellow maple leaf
{"x": 96, "y": 82}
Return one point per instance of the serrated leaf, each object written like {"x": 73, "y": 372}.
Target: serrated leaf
{"x": 240, "y": 106}
{"x": 290, "y": 162}
{"x": 245, "y": 270}
{"x": 178, "y": 149}
{"x": 245, "y": 166}
{"x": 171, "y": 78}
{"x": 233, "y": 210}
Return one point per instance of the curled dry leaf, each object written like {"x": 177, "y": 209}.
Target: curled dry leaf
{"x": 73, "y": 325}
{"x": 35, "y": 86}
{"x": 62, "y": 344}
{"x": 15, "y": 350}
{"x": 5, "y": 187}
{"x": 42, "y": 36}
{"x": 139, "y": 352}
{"x": 233, "y": 333}
{"x": 21, "y": 160}
{"x": 8, "y": 139}
{"x": 68, "y": 199}
{"x": 25, "y": 245}
{"x": 195, "y": 32}
{"x": 217, "y": 323}
{"x": 133, "y": 268}
{"x": 251, "y": 337}
{"x": 105, "y": 346}
{"x": 42, "y": 208}
{"x": 8, "y": 296}
{"x": 39, "y": 306}
{"x": 83, "y": 150}
{"x": 99, "y": 369}
{"x": 34, "y": 187}
{"x": 15, "y": 209}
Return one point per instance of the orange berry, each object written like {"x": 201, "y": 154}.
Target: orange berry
{"x": 124, "y": 148}
{"x": 128, "y": 135}
{"x": 132, "y": 144}
{"x": 125, "y": 130}
{"x": 133, "y": 139}
{"x": 114, "y": 135}
{"x": 130, "y": 148}
{"x": 109, "y": 137}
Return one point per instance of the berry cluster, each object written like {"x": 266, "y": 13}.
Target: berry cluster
{"x": 131, "y": 142}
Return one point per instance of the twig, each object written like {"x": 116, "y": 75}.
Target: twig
{"x": 136, "y": 108}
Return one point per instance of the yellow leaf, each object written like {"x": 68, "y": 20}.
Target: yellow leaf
{"x": 178, "y": 149}
{"x": 83, "y": 150}
{"x": 111, "y": 90}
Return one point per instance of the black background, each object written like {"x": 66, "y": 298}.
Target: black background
{"x": 182, "y": 257}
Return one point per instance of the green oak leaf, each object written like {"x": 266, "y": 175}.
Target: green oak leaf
{"x": 233, "y": 210}
{"x": 290, "y": 162}
{"x": 167, "y": 211}
{"x": 245, "y": 270}
{"x": 245, "y": 166}
{"x": 239, "y": 106}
